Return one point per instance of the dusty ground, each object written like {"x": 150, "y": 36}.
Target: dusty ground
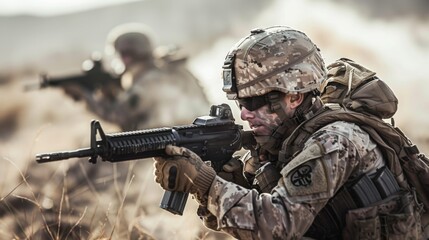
{"x": 102, "y": 200}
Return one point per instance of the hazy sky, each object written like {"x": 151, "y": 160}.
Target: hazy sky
{"x": 52, "y": 7}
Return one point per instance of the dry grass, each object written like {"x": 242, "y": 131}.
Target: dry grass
{"x": 75, "y": 199}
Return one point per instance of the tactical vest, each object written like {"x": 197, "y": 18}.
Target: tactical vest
{"x": 371, "y": 206}
{"x": 387, "y": 204}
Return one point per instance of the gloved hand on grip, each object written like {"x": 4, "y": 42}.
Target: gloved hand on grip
{"x": 232, "y": 171}
{"x": 183, "y": 171}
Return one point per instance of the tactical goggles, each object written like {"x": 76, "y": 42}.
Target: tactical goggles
{"x": 253, "y": 103}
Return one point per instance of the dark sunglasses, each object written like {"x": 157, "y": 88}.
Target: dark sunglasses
{"x": 253, "y": 103}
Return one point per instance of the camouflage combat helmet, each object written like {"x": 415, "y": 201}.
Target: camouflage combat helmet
{"x": 132, "y": 38}
{"x": 272, "y": 59}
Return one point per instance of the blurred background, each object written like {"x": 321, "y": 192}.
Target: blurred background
{"x": 390, "y": 37}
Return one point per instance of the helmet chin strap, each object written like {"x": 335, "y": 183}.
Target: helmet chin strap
{"x": 305, "y": 110}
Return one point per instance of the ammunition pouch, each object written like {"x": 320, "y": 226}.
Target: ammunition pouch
{"x": 393, "y": 218}
{"x": 266, "y": 178}
{"x": 368, "y": 207}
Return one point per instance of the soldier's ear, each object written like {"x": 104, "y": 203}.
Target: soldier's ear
{"x": 294, "y": 100}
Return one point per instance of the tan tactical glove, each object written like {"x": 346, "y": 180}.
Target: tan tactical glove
{"x": 251, "y": 165}
{"x": 183, "y": 171}
{"x": 232, "y": 171}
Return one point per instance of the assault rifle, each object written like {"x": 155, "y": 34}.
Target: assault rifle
{"x": 214, "y": 138}
{"x": 93, "y": 77}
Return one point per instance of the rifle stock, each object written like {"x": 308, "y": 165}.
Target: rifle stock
{"x": 214, "y": 138}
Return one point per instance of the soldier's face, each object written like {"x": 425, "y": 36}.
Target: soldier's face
{"x": 262, "y": 121}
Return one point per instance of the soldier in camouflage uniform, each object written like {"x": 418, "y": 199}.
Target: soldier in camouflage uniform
{"x": 158, "y": 92}
{"x": 320, "y": 192}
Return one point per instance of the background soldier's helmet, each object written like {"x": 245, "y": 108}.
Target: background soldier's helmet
{"x": 131, "y": 38}
{"x": 273, "y": 59}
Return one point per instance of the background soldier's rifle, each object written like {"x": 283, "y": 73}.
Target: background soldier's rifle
{"x": 93, "y": 77}
{"x": 214, "y": 138}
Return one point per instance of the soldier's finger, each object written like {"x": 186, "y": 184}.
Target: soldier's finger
{"x": 174, "y": 150}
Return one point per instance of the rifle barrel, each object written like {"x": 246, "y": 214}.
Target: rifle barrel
{"x": 57, "y": 156}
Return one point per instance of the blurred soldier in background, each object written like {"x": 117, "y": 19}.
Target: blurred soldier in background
{"x": 82, "y": 201}
{"x": 158, "y": 89}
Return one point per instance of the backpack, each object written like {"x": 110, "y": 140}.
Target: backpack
{"x": 355, "y": 94}
{"x": 356, "y": 88}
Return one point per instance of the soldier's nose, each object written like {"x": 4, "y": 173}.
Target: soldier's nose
{"x": 246, "y": 114}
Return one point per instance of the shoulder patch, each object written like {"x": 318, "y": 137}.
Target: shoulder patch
{"x": 306, "y": 174}
{"x": 301, "y": 176}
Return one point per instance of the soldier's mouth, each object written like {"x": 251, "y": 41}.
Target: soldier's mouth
{"x": 257, "y": 129}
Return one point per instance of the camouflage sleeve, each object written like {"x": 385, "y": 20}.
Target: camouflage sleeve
{"x": 161, "y": 99}
{"x": 137, "y": 103}
{"x": 209, "y": 220}
{"x": 156, "y": 98}
{"x": 152, "y": 101}
{"x": 329, "y": 158}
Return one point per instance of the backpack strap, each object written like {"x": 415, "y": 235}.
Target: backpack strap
{"x": 409, "y": 167}
{"x": 295, "y": 142}
{"x": 386, "y": 137}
